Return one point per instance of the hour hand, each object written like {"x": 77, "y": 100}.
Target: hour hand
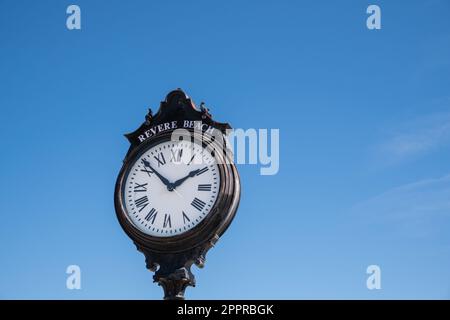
{"x": 190, "y": 175}
{"x": 164, "y": 180}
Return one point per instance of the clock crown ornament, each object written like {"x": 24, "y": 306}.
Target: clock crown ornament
{"x": 176, "y": 194}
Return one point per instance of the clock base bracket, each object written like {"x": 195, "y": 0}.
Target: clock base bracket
{"x": 173, "y": 270}
{"x": 175, "y": 283}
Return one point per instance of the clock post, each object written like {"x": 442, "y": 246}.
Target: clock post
{"x": 176, "y": 195}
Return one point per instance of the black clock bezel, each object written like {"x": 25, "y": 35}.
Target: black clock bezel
{"x": 215, "y": 222}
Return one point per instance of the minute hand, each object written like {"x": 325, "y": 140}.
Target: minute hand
{"x": 164, "y": 180}
{"x": 190, "y": 175}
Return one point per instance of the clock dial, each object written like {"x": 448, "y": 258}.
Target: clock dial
{"x": 171, "y": 188}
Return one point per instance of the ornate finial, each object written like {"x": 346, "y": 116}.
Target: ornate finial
{"x": 149, "y": 117}
{"x": 204, "y": 110}
{"x": 200, "y": 262}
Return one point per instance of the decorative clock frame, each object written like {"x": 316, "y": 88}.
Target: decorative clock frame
{"x": 172, "y": 257}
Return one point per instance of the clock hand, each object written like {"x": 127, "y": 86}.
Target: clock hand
{"x": 164, "y": 180}
{"x": 180, "y": 181}
{"x": 178, "y": 194}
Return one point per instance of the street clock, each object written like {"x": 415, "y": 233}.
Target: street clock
{"x": 178, "y": 190}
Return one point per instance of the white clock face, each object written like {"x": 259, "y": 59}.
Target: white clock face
{"x": 171, "y": 188}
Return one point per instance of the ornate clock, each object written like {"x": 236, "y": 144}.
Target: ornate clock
{"x": 178, "y": 190}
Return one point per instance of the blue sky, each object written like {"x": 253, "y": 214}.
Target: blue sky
{"x": 364, "y": 119}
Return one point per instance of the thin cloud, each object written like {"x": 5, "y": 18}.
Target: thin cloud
{"x": 421, "y": 208}
{"x": 416, "y": 138}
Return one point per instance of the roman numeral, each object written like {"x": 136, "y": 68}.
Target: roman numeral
{"x": 176, "y": 155}
{"x": 193, "y": 156}
{"x": 204, "y": 187}
{"x": 167, "y": 221}
{"x": 185, "y": 217}
{"x": 202, "y": 171}
{"x": 146, "y": 169}
{"x": 141, "y": 203}
{"x": 161, "y": 160}
{"x": 149, "y": 172}
{"x": 151, "y": 215}
{"x": 198, "y": 204}
{"x": 140, "y": 187}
